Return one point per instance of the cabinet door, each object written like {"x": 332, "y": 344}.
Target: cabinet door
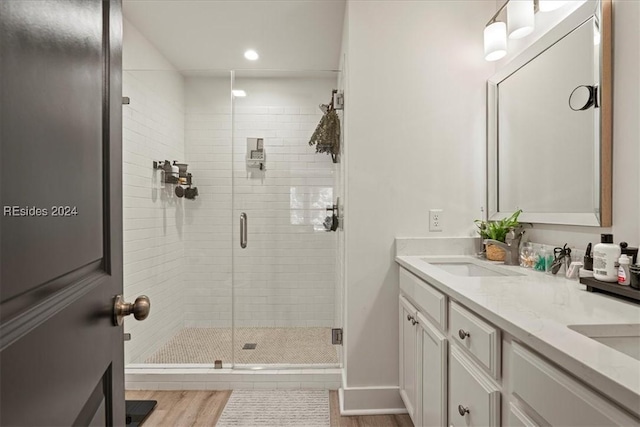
{"x": 557, "y": 397}
{"x": 408, "y": 351}
{"x": 432, "y": 375}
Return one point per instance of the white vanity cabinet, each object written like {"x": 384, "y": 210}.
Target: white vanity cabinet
{"x": 459, "y": 369}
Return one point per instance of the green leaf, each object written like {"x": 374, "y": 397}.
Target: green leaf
{"x": 497, "y": 230}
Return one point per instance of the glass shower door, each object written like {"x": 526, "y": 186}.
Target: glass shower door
{"x": 177, "y": 249}
{"x": 284, "y": 260}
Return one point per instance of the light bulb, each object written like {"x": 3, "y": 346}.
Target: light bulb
{"x": 251, "y": 55}
{"x": 495, "y": 41}
{"x": 520, "y": 18}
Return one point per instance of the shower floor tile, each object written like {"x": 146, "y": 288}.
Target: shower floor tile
{"x": 273, "y": 346}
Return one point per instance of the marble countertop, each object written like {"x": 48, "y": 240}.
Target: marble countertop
{"x": 536, "y": 309}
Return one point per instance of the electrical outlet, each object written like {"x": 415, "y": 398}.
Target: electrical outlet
{"x": 435, "y": 220}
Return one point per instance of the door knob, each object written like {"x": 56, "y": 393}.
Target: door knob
{"x": 140, "y": 308}
{"x": 462, "y": 410}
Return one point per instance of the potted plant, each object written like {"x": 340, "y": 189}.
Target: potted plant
{"x": 497, "y": 230}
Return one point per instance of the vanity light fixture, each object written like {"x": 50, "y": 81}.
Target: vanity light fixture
{"x": 519, "y": 22}
{"x": 495, "y": 41}
{"x": 520, "y": 18}
{"x": 549, "y": 5}
{"x": 239, "y": 93}
{"x": 251, "y": 55}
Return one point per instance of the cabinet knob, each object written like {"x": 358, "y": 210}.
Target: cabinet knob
{"x": 409, "y": 317}
{"x": 414, "y": 322}
{"x": 462, "y": 410}
{"x": 463, "y": 334}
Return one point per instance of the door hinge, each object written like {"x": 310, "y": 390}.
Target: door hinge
{"x": 336, "y": 336}
{"x": 338, "y": 101}
{"x": 126, "y": 100}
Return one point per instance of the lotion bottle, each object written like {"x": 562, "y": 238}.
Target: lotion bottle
{"x": 605, "y": 255}
{"x": 623, "y": 271}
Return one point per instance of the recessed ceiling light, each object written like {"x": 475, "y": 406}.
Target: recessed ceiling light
{"x": 239, "y": 93}
{"x": 251, "y": 55}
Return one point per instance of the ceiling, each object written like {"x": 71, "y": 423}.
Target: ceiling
{"x": 213, "y": 34}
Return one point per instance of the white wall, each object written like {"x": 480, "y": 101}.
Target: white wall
{"x": 153, "y": 129}
{"x": 285, "y": 277}
{"x": 415, "y": 141}
{"x": 626, "y": 128}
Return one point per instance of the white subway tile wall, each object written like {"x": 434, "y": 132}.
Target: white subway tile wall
{"x": 153, "y": 129}
{"x": 180, "y": 252}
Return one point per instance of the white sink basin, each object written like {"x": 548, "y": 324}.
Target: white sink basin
{"x": 470, "y": 269}
{"x": 623, "y": 338}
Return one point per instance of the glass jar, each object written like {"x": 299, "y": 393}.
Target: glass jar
{"x": 544, "y": 258}
{"x": 528, "y": 256}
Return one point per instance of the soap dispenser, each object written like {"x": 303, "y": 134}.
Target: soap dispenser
{"x": 605, "y": 256}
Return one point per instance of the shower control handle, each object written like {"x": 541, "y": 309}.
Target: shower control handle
{"x": 140, "y": 309}
{"x": 243, "y": 230}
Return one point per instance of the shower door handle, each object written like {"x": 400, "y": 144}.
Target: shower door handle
{"x": 243, "y": 230}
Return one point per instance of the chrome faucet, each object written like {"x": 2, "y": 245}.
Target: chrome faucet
{"x": 511, "y": 246}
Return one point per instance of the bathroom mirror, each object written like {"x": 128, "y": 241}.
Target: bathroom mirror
{"x": 549, "y": 129}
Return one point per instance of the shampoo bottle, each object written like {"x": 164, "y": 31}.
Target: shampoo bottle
{"x": 605, "y": 255}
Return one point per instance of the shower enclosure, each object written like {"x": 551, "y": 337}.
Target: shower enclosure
{"x": 245, "y": 275}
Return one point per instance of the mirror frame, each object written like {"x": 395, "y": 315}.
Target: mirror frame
{"x": 602, "y": 217}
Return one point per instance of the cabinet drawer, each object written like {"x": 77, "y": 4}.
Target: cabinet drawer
{"x": 473, "y": 399}
{"x": 557, "y": 397}
{"x": 430, "y": 301}
{"x": 480, "y": 338}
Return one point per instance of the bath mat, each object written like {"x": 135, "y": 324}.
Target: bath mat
{"x": 271, "y": 408}
{"x": 138, "y": 410}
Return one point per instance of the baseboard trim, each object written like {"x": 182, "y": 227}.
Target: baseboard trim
{"x": 370, "y": 401}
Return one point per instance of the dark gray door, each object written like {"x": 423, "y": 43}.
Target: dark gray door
{"x": 61, "y": 357}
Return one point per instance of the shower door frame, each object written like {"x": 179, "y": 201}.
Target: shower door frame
{"x": 236, "y": 245}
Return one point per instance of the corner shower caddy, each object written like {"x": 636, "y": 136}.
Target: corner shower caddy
{"x": 181, "y": 178}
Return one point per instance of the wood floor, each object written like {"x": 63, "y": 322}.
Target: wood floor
{"x": 203, "y": 408}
